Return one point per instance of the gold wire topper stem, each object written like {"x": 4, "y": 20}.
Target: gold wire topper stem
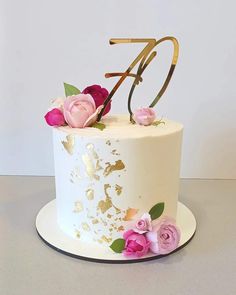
{"x": 145, "y": 57}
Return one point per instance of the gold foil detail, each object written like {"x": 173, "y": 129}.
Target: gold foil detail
{"x": 114, "y": 152}
{"x": 130, "y": 213}
{"x": 90, "y": 194}
{"x": 95, "y": 221}
{"x": 119, "y": 165}
{"x": 90, "y": 168}
{"x": 90, "y": 147}
{"x": 107, "y": 204}
{"x": 85, "y": 226}
{"x": 78, "y": 207}
{"x": 109, "y": 215}
{"x": 118, "y": 189}
{"x": 98, "y": 166}
{"x": 108, "y": 142}
{"x": 105, "y": 239}
{"x": 69, "y": 143}
{"x": 121, "y": 228}
{"x": 77, "y": 233}
{"x": 92, "y": 162}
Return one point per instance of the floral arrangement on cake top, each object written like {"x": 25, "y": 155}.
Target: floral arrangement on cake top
{"x": 81, "y": 109}
{"x": 149, "y": 233}
{"x": 78, "y": 109}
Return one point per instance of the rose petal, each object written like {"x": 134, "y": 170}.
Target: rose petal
{"x": 92, "y": 119}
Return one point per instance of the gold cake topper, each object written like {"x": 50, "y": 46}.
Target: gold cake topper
{"x": 144, "y": 58}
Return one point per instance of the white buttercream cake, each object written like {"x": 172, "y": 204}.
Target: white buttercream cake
{"x": 107, "y": 179}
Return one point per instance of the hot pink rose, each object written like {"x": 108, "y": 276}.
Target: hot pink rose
{"x": 99, "y": 95}
{"x": 80, "y": 110}
{"x": 135, "y": 244}
{"x": 144, "y": 224}
{"x": 55, "y": 117}
{"x": 164, "y": 238}
{"x": 144, "y": 116}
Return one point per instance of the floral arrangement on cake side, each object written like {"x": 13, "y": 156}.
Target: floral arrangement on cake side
{"x": 151, "y": 233}
{"x": 81, "y": 109}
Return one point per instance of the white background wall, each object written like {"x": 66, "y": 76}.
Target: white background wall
{"x": 46, "y": 42}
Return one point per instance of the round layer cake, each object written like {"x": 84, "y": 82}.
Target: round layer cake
{"x": 105, "y": 180}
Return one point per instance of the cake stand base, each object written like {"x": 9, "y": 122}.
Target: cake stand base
{"x": 53, "y": 236}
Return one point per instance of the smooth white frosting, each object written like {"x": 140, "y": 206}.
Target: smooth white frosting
{"x": 150, "y": 174}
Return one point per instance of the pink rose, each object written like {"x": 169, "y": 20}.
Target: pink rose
{"x": 135, "y": 244}
{"x": 144, "y": 116}
{"x": 99, "y": 95}
{"x": 80, "y": 110}
{"x": 164, "y": 238}
{"x": 144, "y": 224}
{"x": 55, "y": 118}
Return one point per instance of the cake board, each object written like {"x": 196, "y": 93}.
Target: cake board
{"x": 49, "y": 231}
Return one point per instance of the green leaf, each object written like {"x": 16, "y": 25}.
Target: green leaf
{"x": 118, "y": 245}
{"x": 157, "y": 210}
{"x": 99, "y": 125}
{"x": 71, "y": 90}
{"x": 156, "y": 123}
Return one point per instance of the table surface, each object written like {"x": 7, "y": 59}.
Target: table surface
{"x": 207, "y": 265}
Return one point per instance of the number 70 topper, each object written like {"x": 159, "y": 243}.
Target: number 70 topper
{"x": 144, "y": 58}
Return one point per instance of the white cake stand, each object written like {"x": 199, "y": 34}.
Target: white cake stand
{"x": 52, "y": 235}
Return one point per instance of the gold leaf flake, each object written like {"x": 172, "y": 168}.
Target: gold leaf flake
{"x": 105, "y": 239}
{"x": 105, "y": 205}
{"x": 90, "y": 194}
{"x": 77, "y": 232}
{"x": 121, "y": 228}
{"x": 78, "y": 207}
{"x": 95, "y": 221}
{"x": 109, "y": 215}
{"x": 118, "y": 189}
{"x": 119, "y": 165}
{"x": 98, "y": 166}
{"x": 108, "y": 142}
{"x": 90, "y": 168}
{"x": 69, "y": 143}
{"x": 85, "y": 226}
{"x": 91, "y": 148}
{"x": 115, "y": 153}
{"x": 130, "y": 214}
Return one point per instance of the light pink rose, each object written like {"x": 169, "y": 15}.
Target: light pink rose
{"x": 144, "y": 116}
{"x": 135, "y": 244}
{"x": 144, "y": 224}
{"x": 164, "y": 238}
{"x": 80, "y": 110}
{"x": 55, "y": 118}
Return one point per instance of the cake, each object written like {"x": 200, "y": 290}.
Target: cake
{"x": 117, "y": 176}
